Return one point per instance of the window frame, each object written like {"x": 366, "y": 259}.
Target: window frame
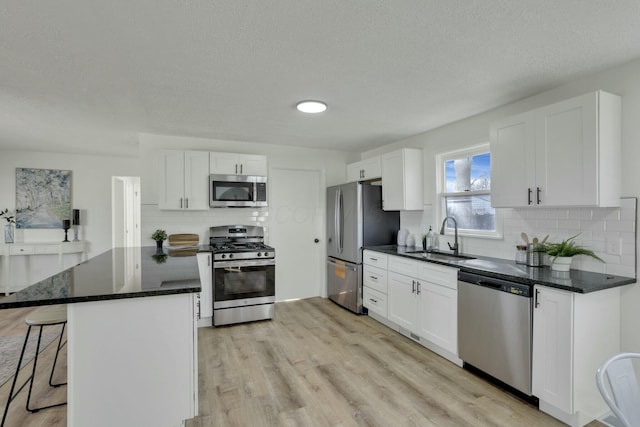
{"x": 442, "y": 194}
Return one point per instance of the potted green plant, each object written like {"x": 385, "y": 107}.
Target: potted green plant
{"x": 159, "y": 236}
{"x": 562, "y": 253}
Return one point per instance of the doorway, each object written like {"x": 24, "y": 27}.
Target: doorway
{"x": 296, "y": 218}
{"x": 125, "y": 198}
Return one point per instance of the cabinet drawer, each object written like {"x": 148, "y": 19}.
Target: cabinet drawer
{"x": 374, "y": 301}
{"x": 22, "y": 250}
{"x": 48, "y": 249}
{"x": 375, "y": 278}
{"x": 438, "y": 274}
{"x": 376, "y": 259}
{"x": 405, "y": 266}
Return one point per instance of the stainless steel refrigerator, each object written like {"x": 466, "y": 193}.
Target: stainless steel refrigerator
{"x": 354, "y": 219}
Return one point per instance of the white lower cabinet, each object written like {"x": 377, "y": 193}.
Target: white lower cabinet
{"x": 439, "y": 305}
{"x": 573, "y": 334}
{"x": 422, "y": 302}
{"x": 205, "y": 297}
{"x": 374, "y": 281}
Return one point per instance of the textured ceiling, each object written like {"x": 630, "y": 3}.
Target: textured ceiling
{"x": 88, "y": 75}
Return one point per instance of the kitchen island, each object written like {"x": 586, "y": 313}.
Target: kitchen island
{"x": 132, "y": 336}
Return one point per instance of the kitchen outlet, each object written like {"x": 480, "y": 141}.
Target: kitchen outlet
{"x": 613, "y": 246}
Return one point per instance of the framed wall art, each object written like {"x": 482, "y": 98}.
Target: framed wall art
{"x": 43, "y": 197}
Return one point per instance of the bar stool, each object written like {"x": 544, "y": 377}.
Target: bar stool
{"x": 50, "y": 316}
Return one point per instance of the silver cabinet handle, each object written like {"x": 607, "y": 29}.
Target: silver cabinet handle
{"x": 373, "y": 277}
{"x": 240, "y": 167}
{"x": 180, "y": 202}
{"x": 538, "y": 195}
{"x": 373, "y": 300}
{"x": 236, "y": 168}
{"x": 529, "y": 196}
{"x": 536, "y": 303}
{"x": 418, "y": 290}
{"x": 373, "y": 259}
{"x": 413, "y": 286}
{"x": 187, "y": 203}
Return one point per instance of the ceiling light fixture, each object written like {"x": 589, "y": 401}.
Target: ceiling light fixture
{"x": 311, "y": 106}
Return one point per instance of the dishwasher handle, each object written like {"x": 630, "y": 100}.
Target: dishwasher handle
{"x": 494, "y": 283}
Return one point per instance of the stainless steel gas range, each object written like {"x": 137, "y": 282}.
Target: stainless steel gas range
{"x": 244, "y": 270}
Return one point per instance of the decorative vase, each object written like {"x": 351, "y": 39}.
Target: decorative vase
{"x": 561, "y": 263}
{"x": 9, "y": 235}
{"x": 159, "y": 244}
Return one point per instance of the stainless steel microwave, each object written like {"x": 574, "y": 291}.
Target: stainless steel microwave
{"x": 237, "y": 191}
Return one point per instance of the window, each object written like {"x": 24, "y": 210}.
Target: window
{"x": 465, "y": 191}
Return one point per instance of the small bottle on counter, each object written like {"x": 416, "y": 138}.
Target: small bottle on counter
{"x": 429, "y": 240}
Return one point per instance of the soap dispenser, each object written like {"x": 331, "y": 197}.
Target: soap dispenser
{"x": 429, "y": 240}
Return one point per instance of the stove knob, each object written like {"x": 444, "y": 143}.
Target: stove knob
{"x": 259, "y": 253}
{"x": 223, "y": 256}
{"x": 266, "y": 254}
{"x": 230, "y": 255}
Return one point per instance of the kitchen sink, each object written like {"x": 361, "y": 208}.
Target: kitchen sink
{"x": 439, "y": 255}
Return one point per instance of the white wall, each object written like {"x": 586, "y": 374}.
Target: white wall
{"x": 624, "y": 81}
{"x": 90, "y": 192}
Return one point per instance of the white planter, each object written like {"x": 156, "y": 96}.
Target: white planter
{"x": 561, "y": 263}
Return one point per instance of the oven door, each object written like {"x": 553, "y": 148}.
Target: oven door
{"x": 244, "y": 282}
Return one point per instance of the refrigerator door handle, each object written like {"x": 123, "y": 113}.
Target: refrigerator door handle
{"x": 336, "y": 221}
{"x": 341, "y": 240}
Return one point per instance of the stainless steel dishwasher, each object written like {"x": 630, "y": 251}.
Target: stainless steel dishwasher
{"x": 495, "y": 327}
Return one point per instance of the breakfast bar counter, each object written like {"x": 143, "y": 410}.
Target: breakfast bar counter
{"x": 132, "y": 336}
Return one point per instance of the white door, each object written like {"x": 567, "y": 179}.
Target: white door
{"x": 296, "y": 212}
{"x": 402, "y": 305}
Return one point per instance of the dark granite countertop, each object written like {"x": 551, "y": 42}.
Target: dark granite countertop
{"x": 103, "y": 278}
{"x": 575, "y": 280}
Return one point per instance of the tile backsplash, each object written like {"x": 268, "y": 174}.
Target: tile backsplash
{"x": 609, "y": 232}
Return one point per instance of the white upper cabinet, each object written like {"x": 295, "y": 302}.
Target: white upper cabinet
{"x": 184, "y": 180}
{"x": 402, "y": 180}
{"x": 364, "y": 170}
{"x": 564, "y": 154}
{"x": 238, "y": 164}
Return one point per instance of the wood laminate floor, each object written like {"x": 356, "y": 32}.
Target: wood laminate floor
{"x": 315, "y": 364}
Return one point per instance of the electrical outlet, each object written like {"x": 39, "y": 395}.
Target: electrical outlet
{"x": 613, "y": 246}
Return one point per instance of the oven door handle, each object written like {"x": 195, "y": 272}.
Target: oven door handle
{"x": 244, "y": 263}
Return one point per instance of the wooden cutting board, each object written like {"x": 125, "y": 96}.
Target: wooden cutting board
{"x": 183, "y": 239}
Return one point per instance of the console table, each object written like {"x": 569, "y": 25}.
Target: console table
{"x": 7, "y": 285}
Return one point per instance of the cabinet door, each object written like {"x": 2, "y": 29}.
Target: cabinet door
{"x": 567, "y": 152}
{"x": 552, "y": 363}
{"x": 371, "y": 168}
{"x": 171, "y": 185}
{"x": 354, "y": 172}
{"x": 438, "y": 315}
{"x": 402, "y": 180}
{"x": 224, "y": 163}
{"x": 401, "y": 304}
{"x": 252, "y": 164}
{"x": 196, "y": 180}
{"x": 513, "y": 161}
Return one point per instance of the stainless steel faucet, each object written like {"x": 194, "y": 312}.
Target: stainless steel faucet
{"x": 454, "y": 248}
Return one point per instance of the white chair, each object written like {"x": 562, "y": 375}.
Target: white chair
{"x": 621, "y": 376}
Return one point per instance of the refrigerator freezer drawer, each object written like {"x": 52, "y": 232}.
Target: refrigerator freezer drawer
{"x": 344, "y": 284}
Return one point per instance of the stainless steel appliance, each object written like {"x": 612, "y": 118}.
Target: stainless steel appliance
{"x": 237, "y": 191}
{"x": 495, "y": 328}
{"x": 243, "y": 274}
{"x": 354, "y": 219}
